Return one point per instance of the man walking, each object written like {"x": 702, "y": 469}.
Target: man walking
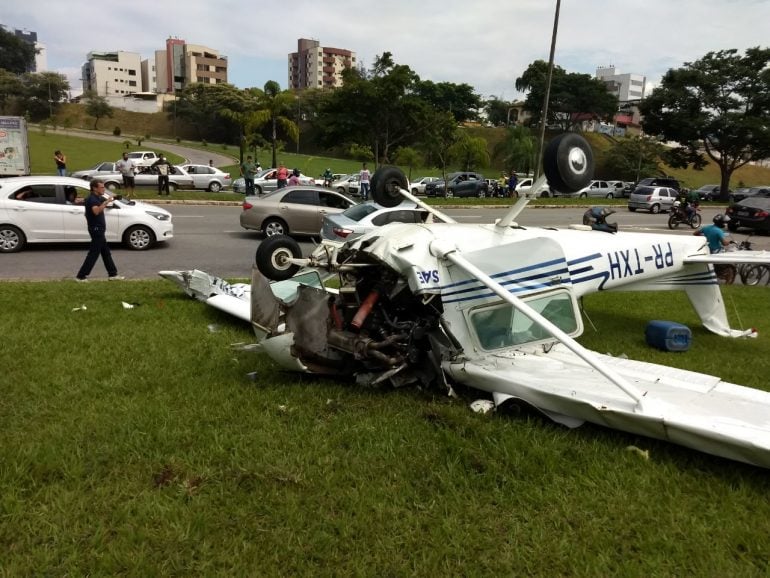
{"x": 164, "y": 170}
{"x": 97, "y": 228}
{"x": 248, "y": 172}
{"x": 127, "y": 169}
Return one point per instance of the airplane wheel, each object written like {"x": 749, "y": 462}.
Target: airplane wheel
{"x": 385, "y": 185}
{"x": 272, "y": 256}
{"x": 568, "y": 162}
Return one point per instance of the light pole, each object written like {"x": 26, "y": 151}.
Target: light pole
{"x": 299, "y": 115}
{"x": 544, "y": 115}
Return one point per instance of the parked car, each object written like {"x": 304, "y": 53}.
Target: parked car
{"x": 143, "y": 158}
{"x": 745, "y": 193}
{"x": 751, "y": 213}
{"x": 348, "y": 184}
{"x": 618, "y": 188}
{"x": 653, "y": 199}
{"x": 297, "y": 210}
{"x": 207, "y": 178}
{"x": 44, "y": 215}
{"x": 335, "y": 177}
{"x": 708, "y": 192}
{"x": 459, "y": 184}
{"x": 359, "y": 219}
{"x": 266, "y": 181}
{"x": 97, "y": 170}
{"x": 669, "y": 182}
{"x": 593, "y": 189}
{"x": 417, "y": 186}
{"x": 148, "y": 177}
{"x": 524, "y": 189}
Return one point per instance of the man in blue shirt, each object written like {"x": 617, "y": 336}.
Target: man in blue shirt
{"x": 715, "y": 234}
{"x": 97, "y": 228}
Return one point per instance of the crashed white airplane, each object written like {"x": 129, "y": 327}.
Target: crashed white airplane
{"x": 495, "y": 307}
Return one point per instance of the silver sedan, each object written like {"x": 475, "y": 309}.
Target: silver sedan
{"x": 298, "y": 210}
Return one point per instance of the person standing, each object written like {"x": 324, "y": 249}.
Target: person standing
{"x": 363, "y": 177}
{"x": 294, "y": 178}
{"x": 512, "y": 182}
{"x": 61, "y": 163}
{"x": 211, "y": 163}
{"x": 282, "y": 174}
{"x": 127, "y": 168}
{"x": 97, "y": 229}
{"x": 248, "y": 172}
{"x": 164, "y": 170}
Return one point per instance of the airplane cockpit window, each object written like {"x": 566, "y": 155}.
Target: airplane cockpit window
{"x": 501, "y": 325}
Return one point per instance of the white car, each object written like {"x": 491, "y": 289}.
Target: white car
{"x": 143, "y": 158}
{"x": 207, "y": 178}
{"x": 348, "y": 185}
{"x": 524, "y": 189}
{"x": 594, "y": 189}
{"x": 97, "y": 170}
{"x": 41, "y": 210}
{"x": 359, "y": 219}
{"x": 418, "y": 186}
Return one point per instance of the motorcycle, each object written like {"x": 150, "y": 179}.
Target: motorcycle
{"x": 679, "y": 216}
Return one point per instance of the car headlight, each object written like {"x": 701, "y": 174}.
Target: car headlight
{"x": 159, "y": 216}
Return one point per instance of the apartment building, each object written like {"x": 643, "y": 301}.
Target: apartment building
{"x": 40, "y": 63}
{"x": 114, "y": 75}
{"x": 627, "y": 87}
{"x": 316, "y": 66}
{"x": 182, "y": 64}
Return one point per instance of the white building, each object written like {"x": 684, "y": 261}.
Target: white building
{"x": 113, "y": 75}
{"x": 41, "y": 61}
{"x": 627, "y": 87}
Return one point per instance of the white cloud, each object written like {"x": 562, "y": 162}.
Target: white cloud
{"x": 486, "y": 44}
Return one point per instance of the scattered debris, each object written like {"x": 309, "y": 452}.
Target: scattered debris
{"x": 214, "y": 328}
{"x": 81, "y": 308}
{"x": 640, "y": 452}
{"x": 128, "y": 305}
{"x": 483, "y": 405}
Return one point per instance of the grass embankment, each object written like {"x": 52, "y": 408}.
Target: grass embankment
{"x": 137, "y": 442}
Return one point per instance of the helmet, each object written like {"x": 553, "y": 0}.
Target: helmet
{"x": 721, "y": 220}
{"x": 295, "y": 172}
{"x": 677, "y": 204}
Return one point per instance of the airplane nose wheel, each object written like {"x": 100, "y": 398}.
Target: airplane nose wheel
{"x": 273, "y": 255}
{"x": 385, "y": 185}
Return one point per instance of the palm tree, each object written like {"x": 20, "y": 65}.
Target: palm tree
{"x": 517, "y": 149}
{"x": 273, "y": 106}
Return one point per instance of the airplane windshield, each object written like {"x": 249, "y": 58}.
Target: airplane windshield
{"x": 500, "y": 326}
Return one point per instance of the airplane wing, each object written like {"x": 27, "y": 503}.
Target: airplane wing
{"x": 734, "y": 257}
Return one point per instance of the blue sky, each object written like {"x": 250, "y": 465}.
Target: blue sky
{"x": 485, "y": 43}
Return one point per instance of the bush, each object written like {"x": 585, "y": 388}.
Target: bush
{"x": 139, "y": 140}
{"x": 204, "y": 143}
{"x": 127, "y": 144}
{"x": 224, "y": 146}
{"x": 179, "y": 139}
{"x": 116, "y": 131}
{"x": 147, "y": 137}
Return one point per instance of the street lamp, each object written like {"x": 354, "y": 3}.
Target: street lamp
{"x": 544, "y": 115}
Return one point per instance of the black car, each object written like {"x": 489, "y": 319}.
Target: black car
{"x": 751, "y": 213}
{"x": 461, "y": 184}
{"x": 708, "y": 192}
{"x": 669, "y": 182}
{"x": 746, "y": 193}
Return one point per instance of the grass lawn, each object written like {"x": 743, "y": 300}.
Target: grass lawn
{"x": 140, "y": 442}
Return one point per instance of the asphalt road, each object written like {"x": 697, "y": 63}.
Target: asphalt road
{"x": 209, "y": 237}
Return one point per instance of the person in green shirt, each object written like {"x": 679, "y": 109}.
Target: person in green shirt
{"x": 248, "y": 172}
{"x": 328, "y": 176}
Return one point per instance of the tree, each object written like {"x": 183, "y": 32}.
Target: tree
{"x": 408, "y": 157}
{"x": 633, "y": 157}
{"x": 459, "y": 99}
{"x": 573, "y": 96}
{"x": 469, "y": 152}
{"x": 718, "y": 105}
{"x": 16, "y": 54}
{"x": 274, "y": 108}
{"x": 438, "y": 138}
{"x": 498, "y": 111}
{"x": 212, "y": 110}
{"x": 518, "y": 150}
{"x": 97, "y": 107}
{"x": 11, "y": 91}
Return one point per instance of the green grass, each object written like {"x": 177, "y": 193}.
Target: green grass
{"x": 135, "y": 442}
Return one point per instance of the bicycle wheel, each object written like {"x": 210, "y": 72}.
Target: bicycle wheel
{"x": 751, "y": 274}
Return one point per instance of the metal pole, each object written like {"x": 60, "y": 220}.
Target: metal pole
{"x": 544, "y": 115}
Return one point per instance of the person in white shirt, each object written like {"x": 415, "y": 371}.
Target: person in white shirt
{"x": 127, "y": 169}
{"x": 363, "y": 176}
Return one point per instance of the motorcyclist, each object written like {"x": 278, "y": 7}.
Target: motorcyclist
{"x": 328, "y": 177}
{"x": 715, "y": 235}
{"x": 596, "y": 217}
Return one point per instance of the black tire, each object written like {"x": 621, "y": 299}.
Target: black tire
{"x": 481, "y": 194}
{"x": 257, "y": 190}
{"x": 753, "y": 274}
{"x": 215, "y": 187}
{"x": 172, "y": 187}
{"x": 696, "y": 221}
{"x": 272, "y": 254}
{"x": 726, "y": 273}
{"x": 274, "y": 226}
{"x": 341, "y": 190}
{"x": 583, "y": 195}
{"x": 385, "y": 185}
{"x": 139, "y": 238}
{"x": 632, "y": 209}
{"x": 568, "y": 162}
{"x": 610, "y": 196}
{"x": 732, "y": 226}
{"x": 655, "y": 209}
{"x": 544, "y": 194}
{"x": 673, "y": 222}
{"x": 111, "y": 185}
{"x": 12, "y": 239}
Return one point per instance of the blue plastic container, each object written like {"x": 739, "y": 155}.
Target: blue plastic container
{"x": 668, "y": 336}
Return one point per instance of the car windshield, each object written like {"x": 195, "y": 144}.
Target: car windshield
{"x": 358, "y": 212}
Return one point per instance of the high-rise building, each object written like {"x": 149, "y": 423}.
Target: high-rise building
{"x": 627, "y": 87}
{"x": 182, "y": 64}
{"x": 316, "y": 66}
{"x": 40, "y": 64}
{"x": 112, "y": 74}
